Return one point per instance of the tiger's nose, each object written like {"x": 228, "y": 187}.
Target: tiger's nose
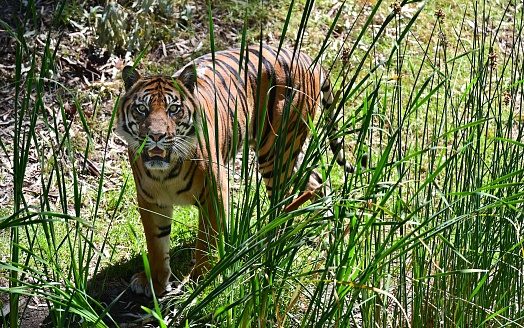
{"x": 157, "y": 136}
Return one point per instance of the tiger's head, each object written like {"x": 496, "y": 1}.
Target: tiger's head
{"x": 156, "y": 117}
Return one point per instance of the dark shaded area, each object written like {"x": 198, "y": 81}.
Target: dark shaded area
{"x": 9, "y": 11}
{"x": 110, "y": 287}
{"x": 110, "y": 283}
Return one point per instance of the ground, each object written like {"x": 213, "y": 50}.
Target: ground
{"x": 126, "y": 310}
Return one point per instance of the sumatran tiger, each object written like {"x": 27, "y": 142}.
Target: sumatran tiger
{"x": 231, "y": 95}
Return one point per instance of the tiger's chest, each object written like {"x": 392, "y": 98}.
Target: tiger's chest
{"x": 180, "y": 186}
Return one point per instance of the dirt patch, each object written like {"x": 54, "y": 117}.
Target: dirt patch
{"x": 33, "y": 312}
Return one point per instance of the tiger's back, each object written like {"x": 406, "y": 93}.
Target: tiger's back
{"x": 256, "y": 91}
{"x": 182, "y": 131}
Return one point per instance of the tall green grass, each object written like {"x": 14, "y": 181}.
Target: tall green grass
{"x": 427, "y": 235}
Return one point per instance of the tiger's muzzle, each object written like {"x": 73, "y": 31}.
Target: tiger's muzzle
{"x": 155, "y": 155}
{"x": 156, "y": 158}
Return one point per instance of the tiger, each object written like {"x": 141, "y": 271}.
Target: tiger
{"x": 243, "y": 95}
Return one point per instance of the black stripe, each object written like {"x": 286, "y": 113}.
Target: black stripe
{"x": 147, "y": 196}
{"x": 127, "y": 128}
{"x": 234, "y": 71}
{"x": 164, "y": 231}
{"x": 150, "y": 176}
{"x": 222, "y": 100}
{"x": 175, "y": 171}
{"x": 270, "y": 72}
{"x": 204, "y": 194}
{"x": 191, "y": 174}
{"x": 264, "y": 158}
{"x": 164, "y": 228}
{"x": 191, "y": 130}
{"x": 267, "y": 175}
{"x": 326, "y": 87}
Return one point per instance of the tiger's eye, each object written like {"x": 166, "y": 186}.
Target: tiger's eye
{"x": 174, "y": 109}
{"x": 141, "y": 109}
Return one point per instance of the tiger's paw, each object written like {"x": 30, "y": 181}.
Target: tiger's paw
{"x": 141, "y": 285}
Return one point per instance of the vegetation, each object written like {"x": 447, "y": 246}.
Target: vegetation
{"x": 428, "y": 234}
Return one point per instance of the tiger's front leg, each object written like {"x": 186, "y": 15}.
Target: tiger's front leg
{"x": 213, "y": 209}
{"x": 157, "y": 228}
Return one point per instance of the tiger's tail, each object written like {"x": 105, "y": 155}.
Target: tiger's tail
{"x": 335, "y": 143}
{"x": 315, "y": 187}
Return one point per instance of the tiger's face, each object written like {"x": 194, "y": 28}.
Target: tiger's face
{"x": 156, "y": 119}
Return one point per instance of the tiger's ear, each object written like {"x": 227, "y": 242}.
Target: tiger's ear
{"x": 130, "y": 77}
{"x": 187, "y": 76}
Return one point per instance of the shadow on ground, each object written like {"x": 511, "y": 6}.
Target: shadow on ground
{"x": 110, "y": 288}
